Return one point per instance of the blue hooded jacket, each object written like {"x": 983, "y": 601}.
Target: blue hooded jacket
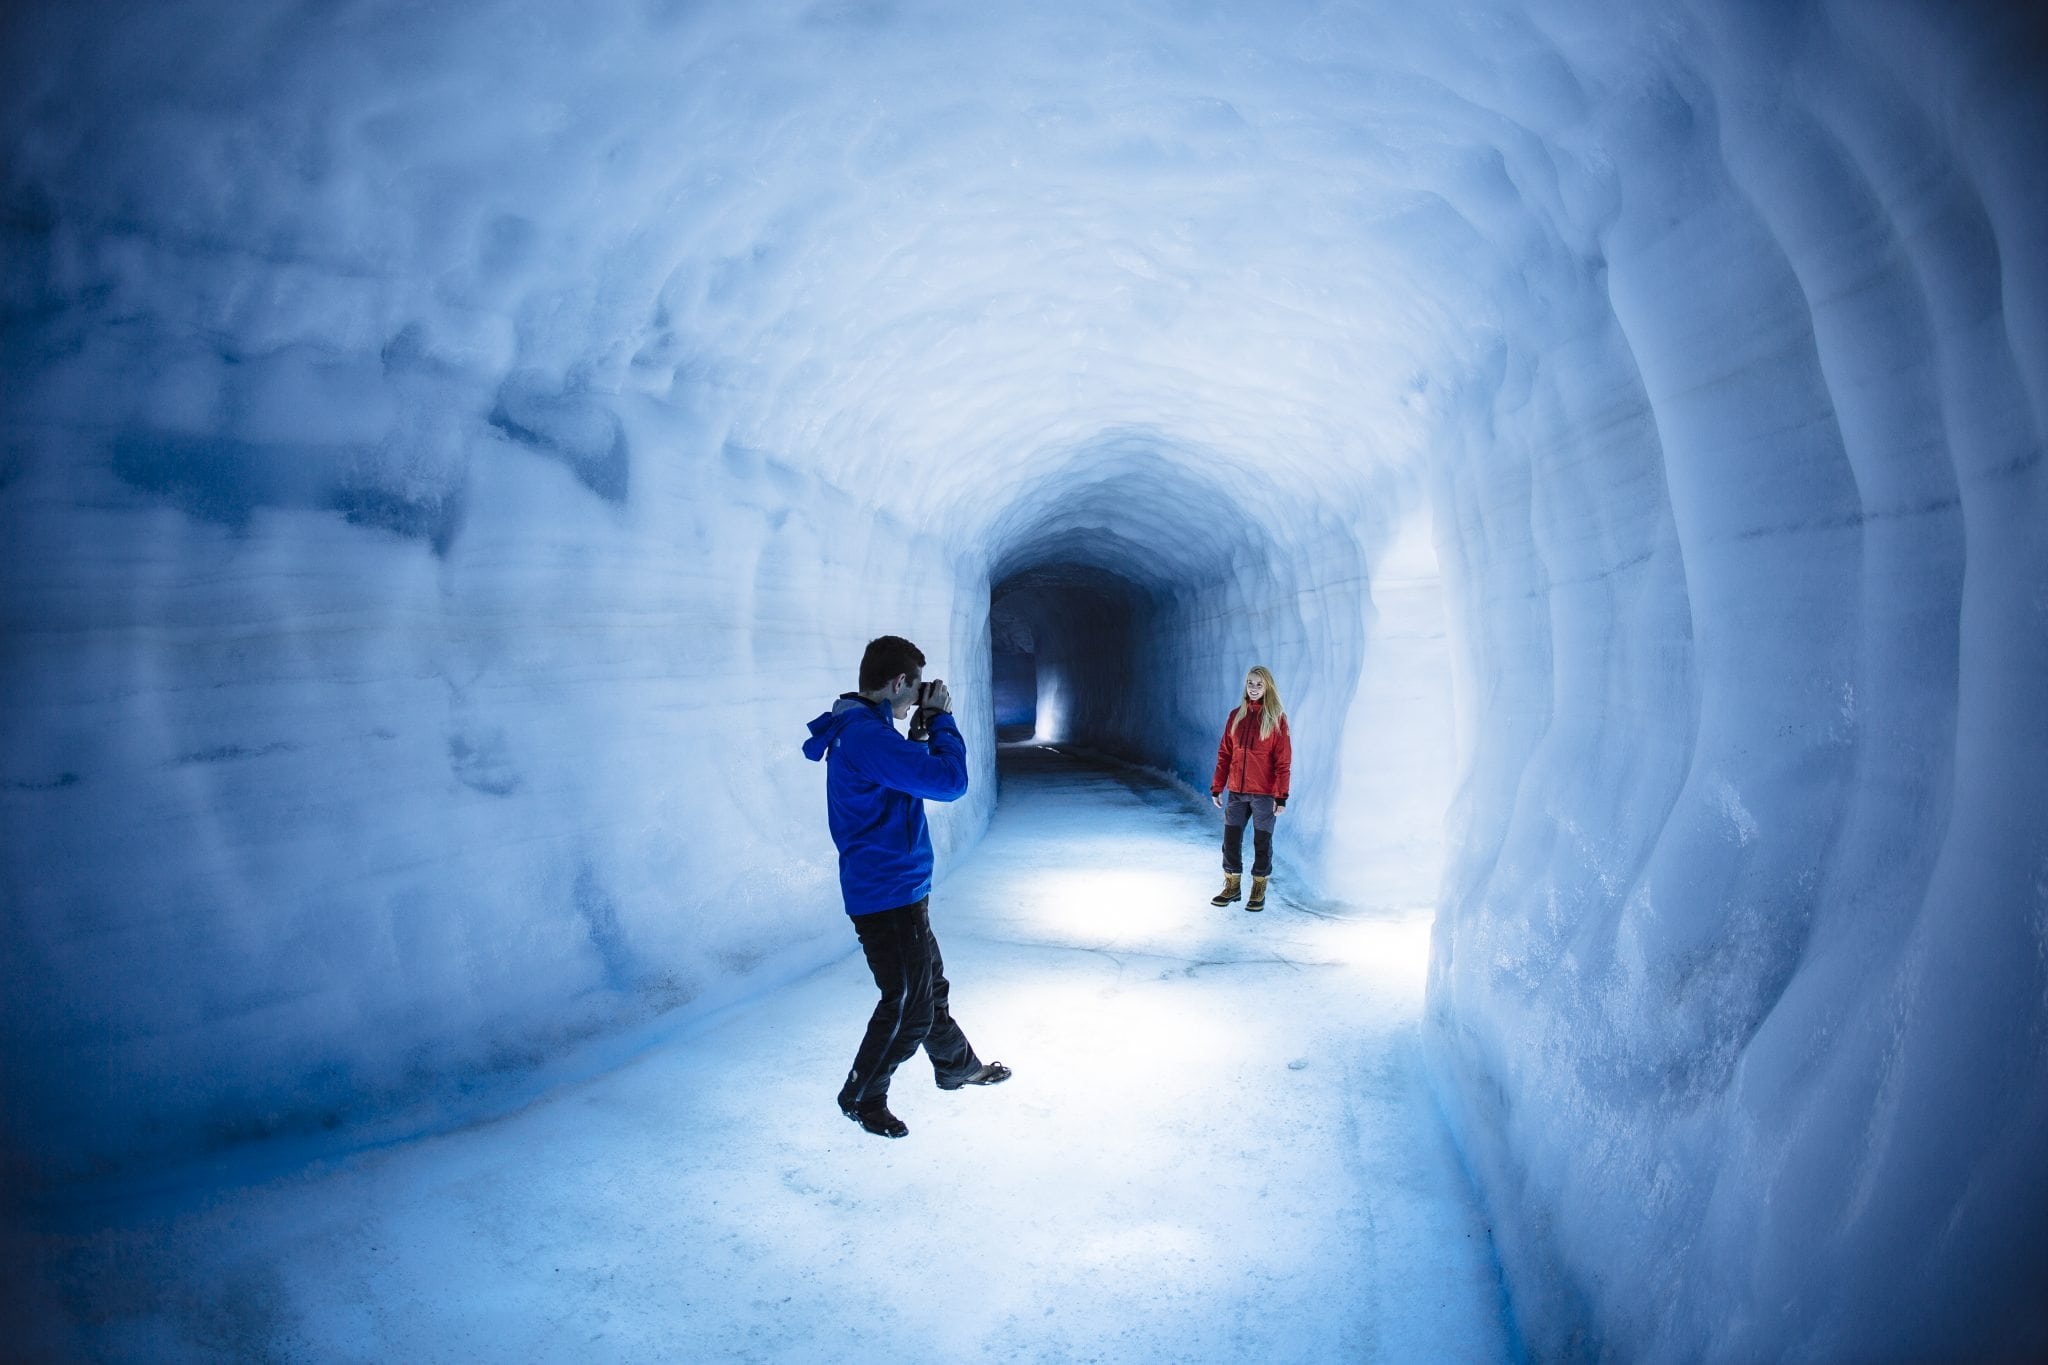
{"x": 876, "y": 784}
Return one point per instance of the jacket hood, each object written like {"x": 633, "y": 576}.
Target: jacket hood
{"x": 826, "y": 727}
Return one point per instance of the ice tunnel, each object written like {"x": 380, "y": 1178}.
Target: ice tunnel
{"x": 450, "y": 449}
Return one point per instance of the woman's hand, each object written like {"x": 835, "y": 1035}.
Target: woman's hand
{"x": 1216, "y": 800}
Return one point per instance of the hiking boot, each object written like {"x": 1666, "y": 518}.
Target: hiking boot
{"x": 1230, "y": 891}
{"x": 876, "y": 1118}
{"x": 993, "y": 1073}
{"x": 1258, "y": 900}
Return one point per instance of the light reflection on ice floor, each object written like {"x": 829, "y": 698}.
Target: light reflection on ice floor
{"x": 1217, "y": 1146}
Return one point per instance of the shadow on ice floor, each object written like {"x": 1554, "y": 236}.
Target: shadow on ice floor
{"x": 1218, "y": 1146}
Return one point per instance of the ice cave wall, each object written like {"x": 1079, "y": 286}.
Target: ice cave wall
{"x": 311, "y": 823}
{"x": 1740, "y": 964}
{"x": 449, "y": 452}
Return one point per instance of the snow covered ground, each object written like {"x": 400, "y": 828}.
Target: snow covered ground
{"x": 1218, "y": 1146}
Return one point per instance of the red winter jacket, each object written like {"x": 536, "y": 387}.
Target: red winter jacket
{"x": 1251, "y": 765}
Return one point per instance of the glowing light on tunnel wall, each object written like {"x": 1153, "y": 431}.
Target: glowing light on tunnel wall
{"x": 1052, "y": 705}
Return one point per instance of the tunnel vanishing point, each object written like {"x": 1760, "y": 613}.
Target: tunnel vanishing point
{"x": 444, "y": 442}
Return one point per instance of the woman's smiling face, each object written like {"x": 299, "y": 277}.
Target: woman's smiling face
{"x": 1254, "y": 686}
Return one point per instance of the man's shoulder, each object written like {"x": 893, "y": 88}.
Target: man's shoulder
{"x": 864, "y": 729}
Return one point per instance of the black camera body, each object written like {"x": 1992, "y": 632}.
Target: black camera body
{"x": 921, "y": 718}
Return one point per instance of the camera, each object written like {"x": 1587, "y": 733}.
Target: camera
{"x": 921, "y": 718}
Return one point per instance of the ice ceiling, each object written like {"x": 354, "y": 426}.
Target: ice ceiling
{"x": 449, "y": 449}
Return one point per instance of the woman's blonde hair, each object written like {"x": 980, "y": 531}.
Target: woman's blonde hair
{"x": 1271, "y": 712}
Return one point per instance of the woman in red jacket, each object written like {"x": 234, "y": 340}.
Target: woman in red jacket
{"x": 1252, "y": 766}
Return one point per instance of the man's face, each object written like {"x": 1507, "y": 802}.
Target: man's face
{"x": 906, "y": 701}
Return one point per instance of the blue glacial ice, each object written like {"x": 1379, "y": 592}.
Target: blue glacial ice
{"x": 450, "y": 450}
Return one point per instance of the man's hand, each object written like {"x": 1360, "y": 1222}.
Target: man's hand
{"x": 1216, "y": 800}
{"x": 940, "y": 699}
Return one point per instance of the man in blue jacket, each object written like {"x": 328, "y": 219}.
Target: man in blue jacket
{"x": 876, "y": 784}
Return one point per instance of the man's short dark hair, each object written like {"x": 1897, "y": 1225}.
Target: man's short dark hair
{"x": 887, "y": 656}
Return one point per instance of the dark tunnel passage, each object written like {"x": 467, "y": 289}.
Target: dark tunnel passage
{"x": 1083, "y": 627}
{"x": 1138, "y": 580}
{"x": 1013, "y": 673}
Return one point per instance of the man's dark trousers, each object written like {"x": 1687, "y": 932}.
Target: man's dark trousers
{"x": 904, "y": 957}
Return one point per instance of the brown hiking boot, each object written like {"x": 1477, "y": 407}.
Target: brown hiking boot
{"x": 1229, "y": 892}
{"x": 1258, "y": 900}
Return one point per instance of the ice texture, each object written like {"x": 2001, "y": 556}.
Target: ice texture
{"x": 448, "y": 451}
{"x": 1176, "y": 1172}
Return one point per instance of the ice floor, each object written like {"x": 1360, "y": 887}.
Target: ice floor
{"x": 1218, "y": 1146}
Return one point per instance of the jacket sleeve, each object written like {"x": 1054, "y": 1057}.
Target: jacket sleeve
{"x": 1222, "y": 759}
{"x": 1283, "y": 761}
{"x": 937, "y": 772}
